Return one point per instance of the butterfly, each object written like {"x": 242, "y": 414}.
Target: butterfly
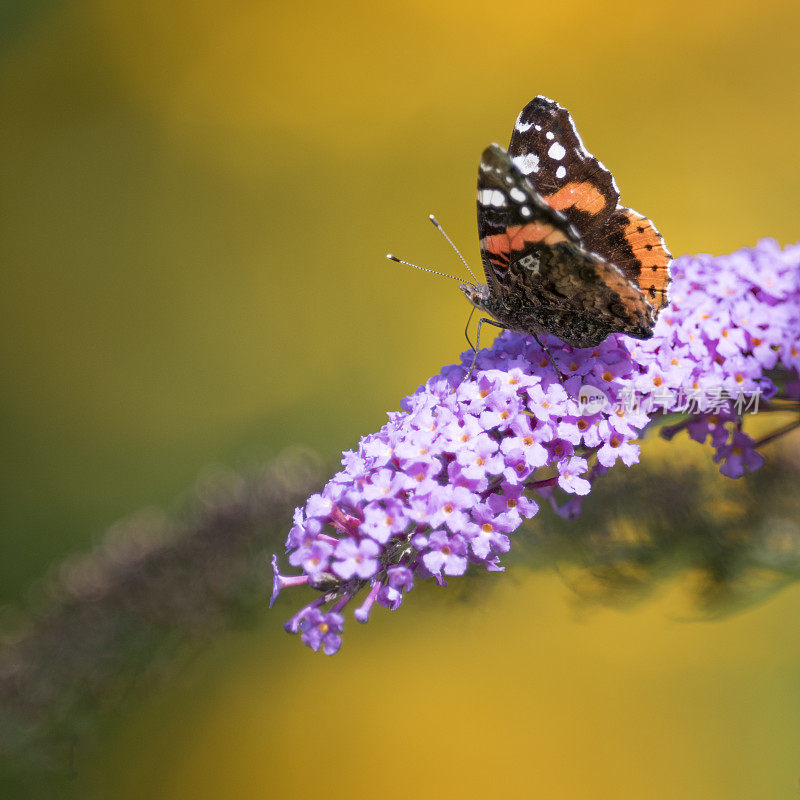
{"x": 559, "y": 252}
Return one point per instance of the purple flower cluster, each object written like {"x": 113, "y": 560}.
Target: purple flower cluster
{"x": 447, "y": 480}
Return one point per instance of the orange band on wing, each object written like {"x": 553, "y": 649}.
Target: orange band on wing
{"x": 648, "y": 247}
{"x": 498, "y": 248}
{"x": 646, "y": 242}
{"x": 580, "y": 196}
{"x": 520, "y": 235}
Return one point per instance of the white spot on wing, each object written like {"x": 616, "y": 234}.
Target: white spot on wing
{"x": 491, "y": 197}
{"x": 525, "y": 211}
{"x": 527, "y": 163}
{"x": 518, "y": 195}
{"x": 556, "y": 151}
{"x": 522, "y": 127}
{"x": 561, "y": 172}
{"x": 549, "y": 135}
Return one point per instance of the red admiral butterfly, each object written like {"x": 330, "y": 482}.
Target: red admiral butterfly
{"x": 559, "y": 253}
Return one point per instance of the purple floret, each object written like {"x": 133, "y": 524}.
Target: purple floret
{"x": 356, "y": 558}
{"x": 318, "y": 629}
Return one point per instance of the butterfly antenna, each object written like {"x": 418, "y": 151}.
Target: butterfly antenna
{"x": 424, "y": 269}
{"x": 437, "y": 225}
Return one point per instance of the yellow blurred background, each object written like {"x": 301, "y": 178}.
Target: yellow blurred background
{"x": 196, "y": 202}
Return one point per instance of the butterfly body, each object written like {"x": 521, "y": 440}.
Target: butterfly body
{"x": 560, "y": 254}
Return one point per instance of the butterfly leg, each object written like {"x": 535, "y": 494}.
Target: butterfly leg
{"x": 552, "y": 360}
{"x": 466, "y": 330}
{"x": 478, "y": 342}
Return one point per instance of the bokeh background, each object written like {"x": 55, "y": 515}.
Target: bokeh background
{"x": 196, "y": 201}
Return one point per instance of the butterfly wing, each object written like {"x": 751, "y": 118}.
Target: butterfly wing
{"x": 633, "y": 243}
{"x": 533, "y": 256}
{"x": 546, "y": 146}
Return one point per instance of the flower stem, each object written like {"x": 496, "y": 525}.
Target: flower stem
{"x": 777, "y": 434}
{"x": 543, "y": 484}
